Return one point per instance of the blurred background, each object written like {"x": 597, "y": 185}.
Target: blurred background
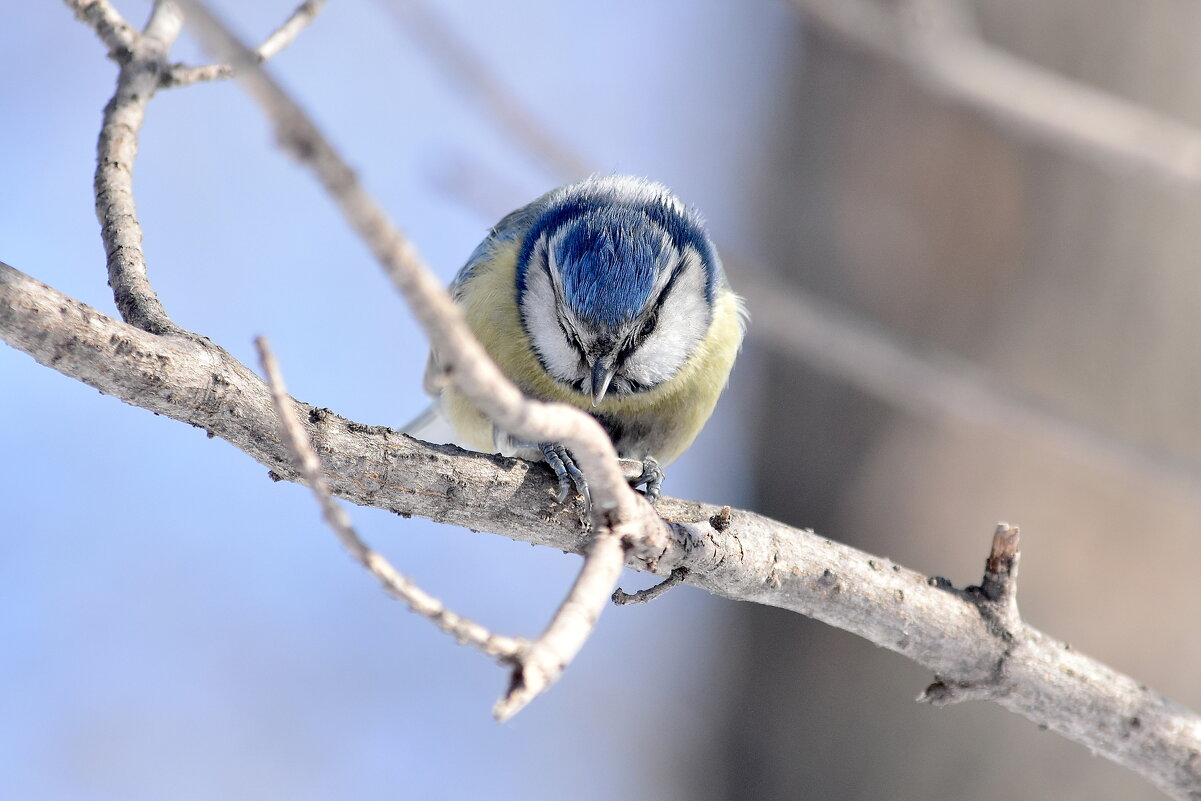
{"x": 176, "y": 626}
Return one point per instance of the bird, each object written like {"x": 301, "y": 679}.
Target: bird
{"x": 606, "y": 294}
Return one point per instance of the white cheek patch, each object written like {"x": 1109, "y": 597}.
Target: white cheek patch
{"x": 683, "y": 321}
{"x": 538, "y": 306}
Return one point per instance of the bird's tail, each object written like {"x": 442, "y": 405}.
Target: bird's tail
{"x": 431, "y": 426}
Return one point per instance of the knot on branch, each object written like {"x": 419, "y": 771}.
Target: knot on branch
{"x": 944, "y": 692}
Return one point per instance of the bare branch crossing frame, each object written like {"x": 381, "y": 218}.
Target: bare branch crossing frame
{"x": 973, "y": 640}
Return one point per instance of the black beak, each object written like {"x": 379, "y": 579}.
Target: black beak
{"x": 602, "y": 375}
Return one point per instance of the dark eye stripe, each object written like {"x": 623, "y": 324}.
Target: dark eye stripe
{"x": 544, "y": 262}
{"x": 572, "y": 337}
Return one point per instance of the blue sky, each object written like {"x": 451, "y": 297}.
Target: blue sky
{"x": 177, "y": 626}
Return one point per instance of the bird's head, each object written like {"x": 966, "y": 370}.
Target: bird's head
{"x": 616, "y": 281}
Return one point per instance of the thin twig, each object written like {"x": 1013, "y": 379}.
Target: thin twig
{"x": 117, "y": 34}
{"x": 184, "y": 75}
{"x": 285, "y": 34}
{"x": 465, "y": 631}
{"x": 570, "y": 627}
{"x": 163, "y": 26}
{"x": 620, "y": 517}
{"x": 996, "y": 597}
{"x": 676, "y": 577}
{"x": 116, "y": 151}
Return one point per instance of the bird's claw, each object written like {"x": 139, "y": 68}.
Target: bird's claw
{"x": 569, "y": 475}
{"x": 652, "y": 477}
{"x": 571, "y": 478}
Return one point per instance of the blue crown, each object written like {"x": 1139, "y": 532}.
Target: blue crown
{"x": 611, "y": 243}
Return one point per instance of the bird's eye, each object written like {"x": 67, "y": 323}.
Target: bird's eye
{"x": 652, "y": 320}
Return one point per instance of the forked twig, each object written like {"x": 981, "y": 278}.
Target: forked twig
{"x": 183, "y": 75}
{"x": 99, "y": 15}
{"x": 465, "y": 631}
{"x": 620, "y": 518}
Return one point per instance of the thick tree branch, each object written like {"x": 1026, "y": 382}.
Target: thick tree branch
{"x": 973, "y": 640}
{"x": 620, "y": 518}
{"x": 198, "y": 383}
{"x": 960, "y": 635}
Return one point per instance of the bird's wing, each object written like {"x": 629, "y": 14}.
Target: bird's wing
{"x": 431, "y": 425}
{"x": 511, "y": 226}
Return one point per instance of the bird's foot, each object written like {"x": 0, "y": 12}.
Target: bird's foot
{"x": 570, "y": 477}
{"x": 651, "y": 477}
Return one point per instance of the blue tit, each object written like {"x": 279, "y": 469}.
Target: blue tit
{"x": 606, "y": 294}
